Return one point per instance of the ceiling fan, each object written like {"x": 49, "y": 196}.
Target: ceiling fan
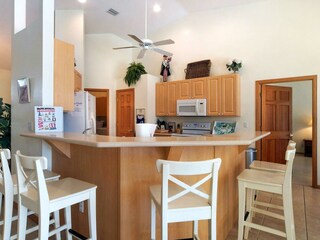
{"x": 147, "y": 44}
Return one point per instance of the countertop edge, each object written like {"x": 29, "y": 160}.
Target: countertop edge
{"x": 110, "y": 142}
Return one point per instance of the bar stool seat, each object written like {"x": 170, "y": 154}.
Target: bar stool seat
{"x": 8, "y": 188}
{"x": 251, "y": 180}
{"x": 271, "y": 166}
{"x": 46, "y": 197}
{"x": 180, "y": 202}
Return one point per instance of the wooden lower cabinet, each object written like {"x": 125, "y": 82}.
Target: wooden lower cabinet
{"x": 123, "y": 176}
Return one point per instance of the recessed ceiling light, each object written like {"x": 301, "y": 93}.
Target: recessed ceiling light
{"x": 82, "y": 1}
{"x": 156, "y": 7}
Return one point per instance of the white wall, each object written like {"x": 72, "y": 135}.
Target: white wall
{"x": 273, "y": 38}
{"x": 301, "y": 111}
{"x": 105, "y": 67}
{"x": 69, "y": 27}
{"x": 5, "y": 83}
{"x": 32, "y": 56}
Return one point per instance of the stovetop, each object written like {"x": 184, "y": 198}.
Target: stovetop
{"x": 194, "y": 128}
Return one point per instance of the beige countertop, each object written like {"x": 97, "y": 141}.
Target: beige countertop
{"x": 238, "y": 138}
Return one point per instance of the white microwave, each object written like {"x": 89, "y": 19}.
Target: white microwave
{"x": 192, "y": 107}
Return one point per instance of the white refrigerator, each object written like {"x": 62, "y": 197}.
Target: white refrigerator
{"x": 83, "y": 117}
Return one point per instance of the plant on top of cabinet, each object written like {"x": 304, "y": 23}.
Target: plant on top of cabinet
{"x": 134, "y": 71}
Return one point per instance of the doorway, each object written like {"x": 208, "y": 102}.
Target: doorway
{"x": 260, "y": 85}
{"x": 125, "y": 113}
{"x": 102, "y": 109}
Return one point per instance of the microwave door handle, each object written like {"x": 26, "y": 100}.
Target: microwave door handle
{"x": 197, "y": 108}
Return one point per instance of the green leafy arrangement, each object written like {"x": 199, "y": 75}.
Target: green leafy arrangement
{"x": 134, "y": 71}
{"x": 234, "y": 65}
{"x": 5, "y": 125}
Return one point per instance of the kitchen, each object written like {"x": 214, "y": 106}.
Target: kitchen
{"x": 250, "y": 42}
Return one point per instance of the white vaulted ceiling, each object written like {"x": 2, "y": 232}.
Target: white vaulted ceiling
{"x": 129, "y": 20}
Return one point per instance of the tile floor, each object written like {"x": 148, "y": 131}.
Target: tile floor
{"x": 306, "y": 204}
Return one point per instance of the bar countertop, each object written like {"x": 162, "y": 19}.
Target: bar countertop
{"x": 101, "y": 141}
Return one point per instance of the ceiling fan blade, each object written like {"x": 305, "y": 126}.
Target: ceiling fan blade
{"x": 124, "y": 47}
{"x": 162, "y": 52}
{"x": 141, "y": 53}
{"x": 135, "y": 38}
{"x": 163, "y": 42}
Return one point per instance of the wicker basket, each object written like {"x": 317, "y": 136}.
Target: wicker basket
{"x": 198, "y": 69}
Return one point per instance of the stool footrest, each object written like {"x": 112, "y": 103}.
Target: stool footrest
{"x": 270, "y": 205}
{"x": 265, "y": 229}
{"x": 77, "y": 235}
{"x": 270, "y": 214}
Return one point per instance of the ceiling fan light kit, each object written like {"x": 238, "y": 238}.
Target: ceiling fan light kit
{"x": 147, "y": 44}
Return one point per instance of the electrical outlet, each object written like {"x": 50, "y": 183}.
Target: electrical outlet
{"x": 245, "y": 124}
{"x": 81, "y": 207}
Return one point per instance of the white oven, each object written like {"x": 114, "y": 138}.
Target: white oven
{"x": 191, "y": 107}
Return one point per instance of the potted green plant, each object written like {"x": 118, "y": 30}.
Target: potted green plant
{"x": 134, "y": 71}
{"x": 5, "y": 125}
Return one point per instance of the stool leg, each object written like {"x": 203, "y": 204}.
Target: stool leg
{"x": 242, "y": 202}
{"x": 153, "y": 220}
{"x": 288, "y": 215}
{"x": 1, "y": 195}
{"x": 195, "y": 229}
{"x": 67, "y": 217}
{"x": 44, "y": 225}
{"x": 92, "y": 215}
{"x": 57, "y": 223}
{"x": 250, "y": 198}
{"x": 164, "y": 228}
{"x": 7, "y": 218}
{"x": 22, "y": 222}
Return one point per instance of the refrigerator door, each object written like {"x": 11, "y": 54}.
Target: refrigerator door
{"x": 90, "y": 113}
{"x": 75, "y": 121}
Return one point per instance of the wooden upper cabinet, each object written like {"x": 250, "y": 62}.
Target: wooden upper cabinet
{"x": 172, "y": 94}
{"x": 223, "y": 95}
{"x": 230, "y": 95}
{"x": 77, "y": 81}
{"x": 161, "y": 99}
{"x": 193, "y": 88}
{"x": 184, "y": 89}
{"x": 63, "y": 75}
{"x": 198, "y": 88}
{"x": 214, "y": 96}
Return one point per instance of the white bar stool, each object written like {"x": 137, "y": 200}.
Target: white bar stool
{"x": 272, "y": 182}
{"x": 271, "y": 166}
{"x": 8, "y": 188}
{"x": 182, "y": 202}
{"x": 44, "y": 198}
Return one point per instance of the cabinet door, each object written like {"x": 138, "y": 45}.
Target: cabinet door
{"x": 214, "y": 96}
{"x": 198, "y": 88}
{"x": 184, "y": 89}
{"x": 230, "y": 95}
{"x": 161, "y": 99}
{"x": 172, "y": 91}
{"x": 77, "y": 81}
{"x": 64, "y": 75}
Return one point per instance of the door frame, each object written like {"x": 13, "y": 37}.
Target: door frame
{"x": 313, "y": 78}
{"x": 107, "y": 102}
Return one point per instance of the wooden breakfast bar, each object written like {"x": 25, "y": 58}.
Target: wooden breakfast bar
{"x": 123, "y": 168}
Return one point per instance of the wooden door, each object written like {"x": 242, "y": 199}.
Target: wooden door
{"x": 214, "y": 96}
{"x": 276, "y": 109}
{"x": 230, "y": 95}
{"x": 102, "y": 109}
{"x": 125, "y": 112}
{"x": 172, "y": 91}
{"x": 161, "y": 99}
{"x": 184, "y": 89}
{"x": 198, "y": 88}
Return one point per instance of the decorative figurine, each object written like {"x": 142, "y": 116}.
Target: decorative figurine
{"x": 165, "y": 68}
